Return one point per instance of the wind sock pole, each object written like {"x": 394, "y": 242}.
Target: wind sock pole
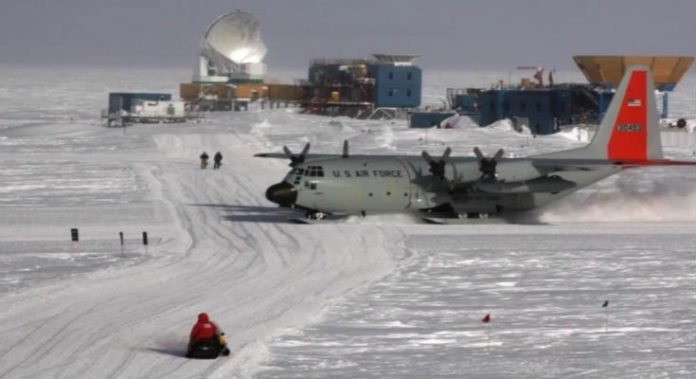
{"x": 606, "y": 315}
{"x": 487, "y": 320}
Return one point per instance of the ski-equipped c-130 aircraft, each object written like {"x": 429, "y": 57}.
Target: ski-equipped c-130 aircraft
{"x": 480, "y": 186}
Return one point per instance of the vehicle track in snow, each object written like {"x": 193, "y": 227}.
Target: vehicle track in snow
{"x": 255, "y": 274}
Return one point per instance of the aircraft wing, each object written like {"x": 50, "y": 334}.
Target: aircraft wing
{"x": 312, "y": 157}
{"x": 303, "y": 155}
{"x": 555, "y": 165}
{"x": 570, "y": 164}
{"x": 307, "y": 157}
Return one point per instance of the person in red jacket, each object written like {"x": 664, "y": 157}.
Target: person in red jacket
{"x": 205, "y": 330}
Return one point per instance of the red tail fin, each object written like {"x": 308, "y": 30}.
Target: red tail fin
{"x": 629, "y": 129}
{"x": 629, "y": 136}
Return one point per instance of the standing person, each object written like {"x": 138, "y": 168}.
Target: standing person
{"x": 205, "y": 330}
{"x": 204, "y": 160}
{"x": 218, "y": 160}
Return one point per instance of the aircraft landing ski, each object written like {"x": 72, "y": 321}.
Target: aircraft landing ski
{"x": 463, "y": 221}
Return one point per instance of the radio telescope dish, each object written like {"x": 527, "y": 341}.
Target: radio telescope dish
{"x": 232, "y": 48}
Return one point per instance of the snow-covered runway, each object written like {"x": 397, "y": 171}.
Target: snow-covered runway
{"x": 381, "y": 296}
{"x": 544, "y": 286}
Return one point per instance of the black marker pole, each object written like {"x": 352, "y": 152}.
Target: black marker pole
{"x": 606, "y": 315}
{"x": 145, "y": 240}
{"x": 120, "y": 236}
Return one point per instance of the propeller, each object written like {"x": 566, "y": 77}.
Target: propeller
{"x": 437, "y": 168}
{"x": 296, "y": 159}
{"x": 487, "y": 165}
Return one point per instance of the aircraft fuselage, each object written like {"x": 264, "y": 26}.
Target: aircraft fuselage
{"x": 398, "y": 184}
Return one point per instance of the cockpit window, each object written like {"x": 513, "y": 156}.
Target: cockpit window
{"x": 314, "y": 171}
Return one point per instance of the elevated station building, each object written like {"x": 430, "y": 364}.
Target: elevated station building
{"x": 544, "y": 107}
{"x": 379, "y": 87}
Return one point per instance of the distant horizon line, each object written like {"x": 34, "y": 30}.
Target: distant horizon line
{"x": 272, "y": 69}
{"x": 148, "y": 66}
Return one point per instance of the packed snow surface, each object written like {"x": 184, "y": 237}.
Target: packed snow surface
{"x": 383, "y": 296}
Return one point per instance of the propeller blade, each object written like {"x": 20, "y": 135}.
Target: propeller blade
{"x": 437, "y": 168}
{"x": 345, "y": 149}
{"x": 296, "y": 159}
{"x": 487, "y": 165}
{"x": 304, "y": 152}
{"x": 287, "y": 151}
{"x": 478, "y": 153}
{"x": 446, "y": 154}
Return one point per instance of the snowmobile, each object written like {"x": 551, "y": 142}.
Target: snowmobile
{"x": 208, "y": 349}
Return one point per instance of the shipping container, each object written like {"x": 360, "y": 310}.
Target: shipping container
{"x": 250, "y": 91}
{"x": 158, "y": 109}
{"x": 195, "y": 91}
{"x": 123, "y": 101}
{"x": 283, "y": 92}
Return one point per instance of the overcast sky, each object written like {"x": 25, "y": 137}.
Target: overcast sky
{"x": 453, "y": 34}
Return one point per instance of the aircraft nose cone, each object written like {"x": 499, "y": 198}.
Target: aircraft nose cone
{"x": 283, "y": 194}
